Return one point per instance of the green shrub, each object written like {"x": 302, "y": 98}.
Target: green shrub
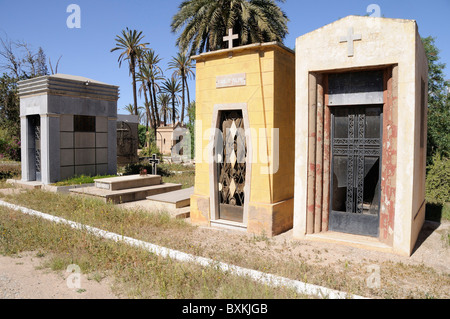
{"x": 438, "y": 180}
{"x": 153, "y": 149}
{"x": 9, "y": 146}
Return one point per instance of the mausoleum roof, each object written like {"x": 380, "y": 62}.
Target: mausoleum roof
{"x": 68, "y": 85}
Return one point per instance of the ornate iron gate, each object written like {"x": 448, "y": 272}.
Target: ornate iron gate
{"x": 356, "y": 168}
{"x": 231, "y": 166}
{"x": 35, "y": 124}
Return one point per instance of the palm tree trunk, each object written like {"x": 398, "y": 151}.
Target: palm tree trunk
{"x": 147, "y": 110}
{"x": 152, "y": 104}
{"x": 133, "y": 72}
{"x": 187, "y": 91}
{"x": 173, "y": 110}
{"x": 156, "y": 104}
{"x": 182, "y": 97}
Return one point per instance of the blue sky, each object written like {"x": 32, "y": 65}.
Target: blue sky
{"x": 86, "y": 51}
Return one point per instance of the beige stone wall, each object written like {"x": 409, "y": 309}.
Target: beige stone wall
{"x": 164, "y": 140}
{"x": 385, "y": 42}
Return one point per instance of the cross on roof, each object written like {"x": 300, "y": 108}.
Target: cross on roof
{"x": 230, "y": 37}
{"x": 349, "y": 38}
{"x": 153, "y": 161}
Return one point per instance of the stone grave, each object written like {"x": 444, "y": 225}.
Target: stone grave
{"x": 68, "y": 127}
{"x": 360, "y": 133}
{"x": 124, "y": 189}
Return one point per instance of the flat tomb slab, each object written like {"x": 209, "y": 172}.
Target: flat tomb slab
{"x": 25, "y": 184}
{"x": 126, "y": 195}
{"x": 179, "y": 198}
{"x": 126, "y": 182}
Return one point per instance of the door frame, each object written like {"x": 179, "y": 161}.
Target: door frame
{"x": 213, "y": 181}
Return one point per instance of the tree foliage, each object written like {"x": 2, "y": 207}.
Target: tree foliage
{"x": 438, "y": 103}
{"x": 202, "y": 24}
{"x": 130, "y": 46}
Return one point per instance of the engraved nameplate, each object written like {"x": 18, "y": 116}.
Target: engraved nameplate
{"x": 103, "y": 185}
{"x": 231, "y": 80}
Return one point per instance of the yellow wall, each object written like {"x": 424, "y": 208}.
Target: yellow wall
{"x": 270, "y": 98}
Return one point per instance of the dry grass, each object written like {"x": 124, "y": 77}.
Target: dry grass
{"x": 138, "y": 273}
{"x": 291, "y": 259}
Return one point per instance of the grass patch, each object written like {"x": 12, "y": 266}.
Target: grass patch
{"x": 82, "y": 179}
{"x": 186, "y": 179}
{"x": 139, "y": 273}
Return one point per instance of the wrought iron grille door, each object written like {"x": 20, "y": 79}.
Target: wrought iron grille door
{"x": 35, "y": 124}
{"x": 355, "y": 169}
{"x": 231, "y": 166}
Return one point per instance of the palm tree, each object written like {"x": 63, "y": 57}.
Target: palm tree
{"x": 204, "y": 23}
{"x": 130, "y": 44}
{"x": 154, "y": 72}
{"x": 143, "y": 88}
{"x": 164, "y": 100}
{"x": 129, "y": 108}
{"x": 144, "y": 77}
{"x": 172, "y": 87}
{"x": 182, "y": 64}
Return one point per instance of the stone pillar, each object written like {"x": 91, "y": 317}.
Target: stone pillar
{"x": 24, "y": 146}
{"x": 50, "y": 148}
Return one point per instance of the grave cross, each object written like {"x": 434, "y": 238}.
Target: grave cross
{"x": 349, "y": 38}
{"x": 229, "y": 38}
{"x": 153, "y": 161}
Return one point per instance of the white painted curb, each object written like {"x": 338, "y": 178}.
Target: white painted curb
{"x": 269, "y": 279}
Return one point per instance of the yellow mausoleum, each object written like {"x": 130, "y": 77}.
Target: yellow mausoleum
{"x": 255, "y": 84}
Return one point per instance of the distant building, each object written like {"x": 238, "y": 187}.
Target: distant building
{"x": 165, "y": 138}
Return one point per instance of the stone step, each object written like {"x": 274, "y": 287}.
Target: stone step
{"x": 127, "y": 182}
{"x": 126, "y": 195}
{"x": 176, "y": 199}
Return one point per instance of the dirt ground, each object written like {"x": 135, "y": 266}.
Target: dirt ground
{"x": 23, "y": 277}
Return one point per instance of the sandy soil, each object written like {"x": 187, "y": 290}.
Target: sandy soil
{"x": 23, "y": 277}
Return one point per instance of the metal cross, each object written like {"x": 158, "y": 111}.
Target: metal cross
{"x": 349, "y": 38}
{"x": 153, "y": 161}
{"x": 230, "y": 38}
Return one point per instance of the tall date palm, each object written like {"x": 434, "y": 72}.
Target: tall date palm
{"x": 202, "y": 24}
{"x": 172, "y": 87}
{"x": 182, "y": 64}
{"x": 130, "y": 44}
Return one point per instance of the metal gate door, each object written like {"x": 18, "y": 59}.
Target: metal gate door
{"x": 355, "y": 169}
{"x": 231, "y": 166}
{"x": 35, "y": 125}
